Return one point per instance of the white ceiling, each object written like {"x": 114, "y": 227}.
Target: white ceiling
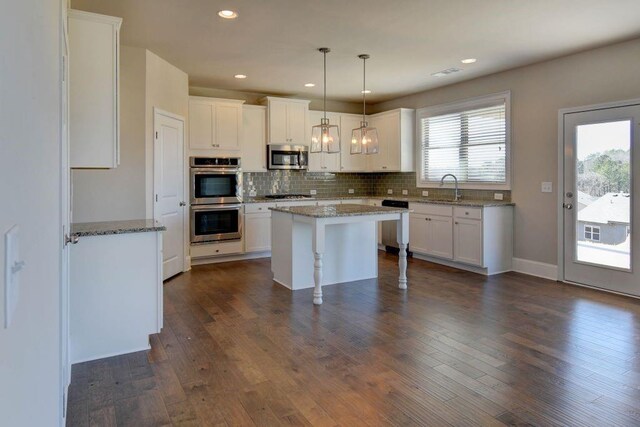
{"x": 274, "y": 42}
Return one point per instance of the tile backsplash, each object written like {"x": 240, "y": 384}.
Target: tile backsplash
{"x": 363, "y": 184}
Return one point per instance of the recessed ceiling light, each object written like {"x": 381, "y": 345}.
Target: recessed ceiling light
{"x": 469, "y": 60}
{"x": 309, "y": 84}
{"x": 240, "y": 76}
{"x": 365, "y": 91}
{"x": 228, "y": 14}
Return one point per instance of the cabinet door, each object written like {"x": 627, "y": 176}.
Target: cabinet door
{"x": 227, "y": 126}
{"x": 316, "y": 160}
{"x": 278, "y": 133}
{"x": 254, "y": 133}
{"x": 350, "y": 162}
{"x": 440, "y": 236}
{"x": 388, "y": 157}
{"x": 467, "y": 241}
{"x": 418, "y": 231}
{"x": 200, "y": 125}
{"x": 257, "y": 236}
{"x": 379, "y": 203}
{"x": 297, "y": 123}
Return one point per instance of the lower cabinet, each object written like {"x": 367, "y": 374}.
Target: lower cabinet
{"x": 257, "y": 228}
{"x": 467, "y": 241}
{"x": 431, "y": 235}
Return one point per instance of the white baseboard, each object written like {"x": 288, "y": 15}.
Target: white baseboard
{"x": 535, "y": 268}
{"x": 228, "y": 258}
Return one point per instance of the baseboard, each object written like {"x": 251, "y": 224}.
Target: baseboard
{"x": 459, "y": 266}
{"x": 228, "y": 258}
{"x": 535, "y": 268}
{"x": 118, "y": 353}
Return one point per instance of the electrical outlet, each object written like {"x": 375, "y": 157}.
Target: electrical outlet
{"x": 253, "y": 193}
{"x": 390, "y": 191}
{"x": 405, "y": 192}
{"x": 425, "y": 193}
{"x": 313, "y": 192}
{"x": 351, "y": 191}
{"x": 547, "y": 187}
{"x": 498, "y": 196}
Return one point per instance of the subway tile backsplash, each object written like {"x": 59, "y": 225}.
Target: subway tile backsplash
{"x": 364, "y": 184}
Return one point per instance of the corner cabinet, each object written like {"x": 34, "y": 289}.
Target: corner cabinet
{"x": 287, "y": 121}
{"x": 478, "y": 237}
{"x": 215, "y": 125}
{"x": 94, "y": 111}
{"x": 324, "y": 162}
{"x": 396, "y": 130}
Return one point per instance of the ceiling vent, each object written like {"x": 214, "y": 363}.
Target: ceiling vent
{"x": 446, "y": 72}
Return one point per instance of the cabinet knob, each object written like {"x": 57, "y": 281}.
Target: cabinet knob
{"x": 466, "y": 213}
{"x": 456, "y": 223}
{"x": 182, "y": 204}
{"x": 384, "y": 167}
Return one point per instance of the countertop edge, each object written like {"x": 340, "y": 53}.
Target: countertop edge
{"x": 109, "y": 228}
{"x": 470, "y": 203}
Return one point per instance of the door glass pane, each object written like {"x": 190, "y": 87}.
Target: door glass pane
{"x": 603, "y": 196}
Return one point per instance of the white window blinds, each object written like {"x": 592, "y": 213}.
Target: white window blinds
{"x": 470, "y": 142}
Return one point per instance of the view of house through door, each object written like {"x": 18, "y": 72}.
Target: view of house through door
{"x": 601, "y": 242}
{"x": 169, "y": 202}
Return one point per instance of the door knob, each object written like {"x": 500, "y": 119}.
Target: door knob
{"x": 73, "y": 239}
{"x": 567, "y": 206}
{"x": 183, "y": 204}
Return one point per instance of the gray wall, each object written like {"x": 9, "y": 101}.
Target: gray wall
{"x": 538, "y": 91}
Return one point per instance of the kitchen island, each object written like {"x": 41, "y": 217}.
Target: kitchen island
{"x": 314, "y": 246}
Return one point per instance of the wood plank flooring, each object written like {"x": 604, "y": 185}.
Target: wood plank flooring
{"x": 456, "y": 349}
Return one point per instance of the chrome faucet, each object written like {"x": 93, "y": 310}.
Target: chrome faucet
{"x": 456, "y": 196}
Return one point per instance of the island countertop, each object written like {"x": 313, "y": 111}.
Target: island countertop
{"x": 332, "y": 211}
{"x": 105, "y": 228}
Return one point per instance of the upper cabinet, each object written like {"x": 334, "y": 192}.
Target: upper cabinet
{"x": 215, "y": 124}
{"x": 350, "y": 162}
{"x": 325, "y": 162}
{"x": 396, "y": 130}
{"x": 287, "y": 121}
{"x": 94, "y": 128}
{"x": 254, "y": 138}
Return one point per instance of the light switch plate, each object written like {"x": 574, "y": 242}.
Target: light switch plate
{"x": 425, "y": 193}
{"x": 547, "y": 187}
{"x": 313, "y": 192}
{"x": 498, "y": 196}
{"x": 12, "y": 267}
{"x": 390, "y": 191}
{"x": 405, "y": 192}
{"x": 351, "y": 191}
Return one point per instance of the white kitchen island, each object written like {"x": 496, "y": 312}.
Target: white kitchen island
{"x": 313, "y": 246}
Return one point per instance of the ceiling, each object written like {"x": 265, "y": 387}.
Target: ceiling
{"x": 274, "y": 42}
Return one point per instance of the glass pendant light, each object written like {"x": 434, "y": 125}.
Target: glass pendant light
{"x": 325, "y": 137}
{"x": 364, "y": 140}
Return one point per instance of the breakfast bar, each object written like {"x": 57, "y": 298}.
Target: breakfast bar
{"x": 314, "y": 246}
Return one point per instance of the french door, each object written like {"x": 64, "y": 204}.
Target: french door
{"x": 601, "y": 209}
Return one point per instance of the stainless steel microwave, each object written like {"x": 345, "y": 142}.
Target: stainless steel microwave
{"x": 288, "y": 156}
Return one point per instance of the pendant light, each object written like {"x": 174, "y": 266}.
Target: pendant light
{"x": 364, "y": 140}
{"x": 325, "y": 137}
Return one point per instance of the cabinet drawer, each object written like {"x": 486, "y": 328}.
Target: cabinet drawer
{"x": 216, "y": 249}
{"x": 258, "y": 207}
{"x": 431, "y": 209}
{"x": 470, "y": 213}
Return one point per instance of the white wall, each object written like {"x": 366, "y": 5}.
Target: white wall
{"x": 119, "y": 194}
{"x": 30, "y": 383}
{"x": 538, "y": 91}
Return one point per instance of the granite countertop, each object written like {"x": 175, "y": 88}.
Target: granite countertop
{"x": 84, "y": 229}
{"x": 333, "y": 211}
{"x": 463, "y": 202}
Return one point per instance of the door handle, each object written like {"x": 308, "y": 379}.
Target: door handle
{"x": 183, "y": 204}
{"x": 567, "y": 206}
{"x": 72, "y": 239}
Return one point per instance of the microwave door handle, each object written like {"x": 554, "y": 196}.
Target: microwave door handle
{"x": 299, "y": 159}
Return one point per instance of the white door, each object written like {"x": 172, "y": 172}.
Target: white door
{"x": 169, "y": 206}
{"x": 467, "y": 241}
{"x": 418, "y": 235}
{"x": 439, "y": 236}
{"x": 600, "y": 210}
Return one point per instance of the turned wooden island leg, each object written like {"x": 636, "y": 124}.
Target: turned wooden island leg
{"x": 403, "y": 241}
{"x": 318, "y": 250}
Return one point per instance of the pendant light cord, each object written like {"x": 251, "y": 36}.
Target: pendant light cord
{"x": 364, "y": 89}
{"x": 325, "y": 84}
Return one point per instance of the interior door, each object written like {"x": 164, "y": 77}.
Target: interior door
{"x": 169, "y": 206}
{"x": 599, "y": 198}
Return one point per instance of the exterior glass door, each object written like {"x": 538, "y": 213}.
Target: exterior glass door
{"x": 600, "y": 212}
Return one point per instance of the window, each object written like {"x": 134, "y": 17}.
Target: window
{"x": 592, "y": 232}
{"x": 469, "y": 139}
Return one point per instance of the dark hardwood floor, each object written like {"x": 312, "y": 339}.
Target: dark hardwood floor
{"x": 455, "y": 349}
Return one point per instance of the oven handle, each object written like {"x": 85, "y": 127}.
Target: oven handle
{"x": 215, "y": 207}
{"x": 214, "y": 171}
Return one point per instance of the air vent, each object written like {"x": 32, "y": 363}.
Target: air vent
{"x": 446, "y": 72}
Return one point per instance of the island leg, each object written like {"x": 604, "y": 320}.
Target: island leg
{"x": 403, "y": 241}
{"x": 318, "y": 250}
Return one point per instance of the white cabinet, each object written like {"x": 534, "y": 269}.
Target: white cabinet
{"x": 287, "y": 121}
{"x": 479, "y": 237}
{"x": 350, "y": 162}
{"x": 257, "y": 227}
{"x": 396, "y": 139}
{"x": 254, "y": 138}
{"x": 94, "y": 129}
{"x": 324, "y": 162}
{"x": 215, "y": 124}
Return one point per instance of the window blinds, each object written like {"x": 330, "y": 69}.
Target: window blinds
{"x": 471, "y": 144}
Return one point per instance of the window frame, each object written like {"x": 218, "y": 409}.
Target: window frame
{"x": 457, "y": 107}
{"x": 592, "y": 231}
